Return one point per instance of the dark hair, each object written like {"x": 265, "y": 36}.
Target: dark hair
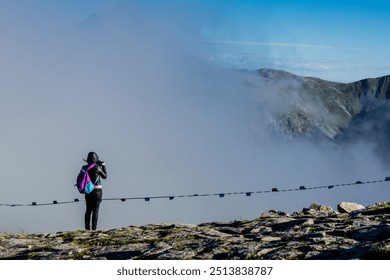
{"x": 92, "y": 157}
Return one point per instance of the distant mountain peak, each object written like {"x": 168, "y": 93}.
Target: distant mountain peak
{"x": 275, "y": 74}
{"x": 304, "y": 106}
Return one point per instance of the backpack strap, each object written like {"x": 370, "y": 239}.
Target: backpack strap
{"x": 97, "y": 179}
{"x": 90, "y": 167}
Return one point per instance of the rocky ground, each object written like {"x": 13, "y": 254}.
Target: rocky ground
{"x": 317, "y": 232}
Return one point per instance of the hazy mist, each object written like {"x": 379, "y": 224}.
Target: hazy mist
{"x": 130, "y": 86}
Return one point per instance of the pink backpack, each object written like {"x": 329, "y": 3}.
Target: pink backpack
{"x": 83, "y": 182}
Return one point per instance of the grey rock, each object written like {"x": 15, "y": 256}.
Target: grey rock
{"x": 377, "y": 208}
{"x": 348, "y": 207}
{"x": 270, "y": 238}
{"x": 316, "y": 210}
{"x": 273, "y": 214}
{"x": 372, "y": 233}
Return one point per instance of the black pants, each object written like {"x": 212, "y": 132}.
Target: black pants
{"x": 92, "y": 200}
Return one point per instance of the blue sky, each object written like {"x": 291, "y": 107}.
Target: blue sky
{"x": 337, "y": 40}
{"x": 342, "y": 40}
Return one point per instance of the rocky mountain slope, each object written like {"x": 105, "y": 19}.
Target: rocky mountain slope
{"x": 307, "y": 106}
{"x": 317, "y": 232}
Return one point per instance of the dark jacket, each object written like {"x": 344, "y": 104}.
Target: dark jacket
{"x": 99, "y": 171}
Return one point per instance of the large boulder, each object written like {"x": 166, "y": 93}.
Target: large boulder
{"x": 348, "y": 207}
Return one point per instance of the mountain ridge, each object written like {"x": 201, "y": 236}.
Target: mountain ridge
{"x": 313, "y": 105}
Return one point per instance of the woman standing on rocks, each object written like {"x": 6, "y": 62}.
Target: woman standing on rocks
{"x": 94, "y": 198}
